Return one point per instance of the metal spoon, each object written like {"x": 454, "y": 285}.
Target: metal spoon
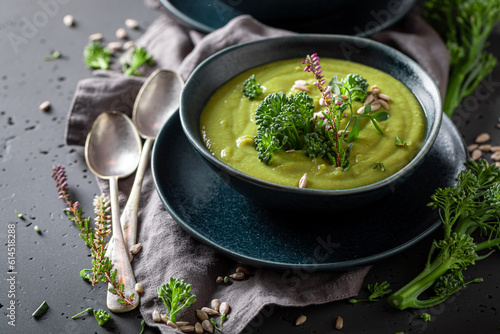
{"x": 112, "y": 151}
{"x": 156, "y": 101}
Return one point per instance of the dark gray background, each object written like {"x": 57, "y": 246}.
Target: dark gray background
{"x": 48, "y": 264}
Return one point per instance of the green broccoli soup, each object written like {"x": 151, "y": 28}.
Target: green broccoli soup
{"x": 334, "y": 125}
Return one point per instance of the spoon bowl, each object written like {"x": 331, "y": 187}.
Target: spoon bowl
{"x": 157, "y": 100}
{"x": 112, "y": 151}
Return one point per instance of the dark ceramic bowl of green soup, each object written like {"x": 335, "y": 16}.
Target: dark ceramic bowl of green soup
{"x": 311, "y": 122}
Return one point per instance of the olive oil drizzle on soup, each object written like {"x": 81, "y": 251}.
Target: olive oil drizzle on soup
{"x": 228, "y": 128}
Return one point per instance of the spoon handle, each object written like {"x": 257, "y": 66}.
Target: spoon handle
{"x": 119, "y": 258}
{"x": 128, "y": 218}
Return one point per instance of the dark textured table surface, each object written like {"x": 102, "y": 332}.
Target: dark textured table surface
{"x": 46, "y": 264}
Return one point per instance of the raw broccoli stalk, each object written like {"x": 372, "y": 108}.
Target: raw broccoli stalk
{"x": 473, "y": 204}
{"x": 96, "y": 56}
{"x": 356, "y": 85}
{"x": 465, "y": 27}
{"x": 282, "y": 123}
{"x": 176, "y": 295}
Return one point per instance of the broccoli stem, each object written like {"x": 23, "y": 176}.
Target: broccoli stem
{"x": 408, "y": 295}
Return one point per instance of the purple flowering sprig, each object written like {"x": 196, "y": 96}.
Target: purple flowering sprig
{"x": 313, "y": 65}
{"x": 95, "y": 239}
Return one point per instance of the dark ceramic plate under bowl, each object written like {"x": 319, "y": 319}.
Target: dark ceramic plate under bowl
{"x": 346, "y": 17}
{"x": 212, "y": 212}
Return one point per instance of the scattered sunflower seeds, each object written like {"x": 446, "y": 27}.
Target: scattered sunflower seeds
{"x": 202, "y": 315}
{"x": 339, "y": 323}
{"x": 135, "y": 248}
{"x": 121, "y": 33}
{"x": 208, "y": 326}
{"x": 198, "y": 328}
{"x": 209, "y": 311}
{"x": 138, "y": 288}
{"x": 131, "y": 23}
{"x": 215, "y": 304}
{"x": 300, "y": 320}
{"x": 95, "y": 37}
{"x": 224, "y": 308}
{"x": 236, "y": 276}
{"x": 303, "y": 181}
{"x": 156, "y": 316}
{"x": 68, "y": 20}
{"x": 186, "y": 329}
{"x": 482, "y": 138}
{"x": 44, "y": 106}
{"x": 476, "y": 154}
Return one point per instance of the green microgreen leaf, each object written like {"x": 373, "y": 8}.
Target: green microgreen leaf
{"x": 353, "y": 135}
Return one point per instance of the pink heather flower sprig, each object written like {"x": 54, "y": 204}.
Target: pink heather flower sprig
{"x": 94, "y": 238}
{"x": 313, "y": 65}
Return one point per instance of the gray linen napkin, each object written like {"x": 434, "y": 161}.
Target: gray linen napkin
{"x": 167, "y": 249}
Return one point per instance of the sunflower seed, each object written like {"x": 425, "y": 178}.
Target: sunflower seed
{"x": 45, "y": 106}
{"x": 237, "y": 276}
{"x": 375, "y": 91}
{"x": 224, "y": 308}
{"x": 369, "y": 99}
{"x": 198, "y": 328}
{"x": 95, "y": 37}
{"x": 156, "y": 316}
{"x": 472, "y": 147}
{"x": 345, "y": 97}
{"x": 202, "y": 315}
{"x": 375, "y": 106}
{"x": 138, "y": 288}
{"x": 215, "y": 304}
{"x": 482, "y": 138}
{"x": 219, "y": 279}
{"x": 485, "y": 147}
{"x": 186, "y": 329}
{"x": 244, "y": 270}
{"x": 495, "y": 148}
{"x": 128, "y": 45}
{"x": 361, "y": 110}
{"x": 68, "y": 20}
{"x": 383, "y": 103}
{"x": 171, "y": 324}
{"x": 339, "y": 324}
{"x": 476, "y": 154}
{"x": 121, "y": 33}
{"x": 300, "y": 87}
{"x": 303, "y": 181}
{"x": 114, "y": 46}
{"x": 135, "y": 248}
{"x": 209, "y": 311}
{"x": 384, "y": 97}
{"x": 208, "y": 326}
{"x": 495, "y": 156}
{"x": 164, "y": 318}
{"x": 300, "y": 320}
{"x": 301, "y": 82}
{"x": 131, "y": 23}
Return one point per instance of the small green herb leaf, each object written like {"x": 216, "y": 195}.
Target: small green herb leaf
{"x": 353, "y": 135}
{"x": 41, "y": 310}
{"x": 381, "y": 116}
{"x": 400, "y": 142}
{"x": 379, "y": 165}
{"x": 54, "y": 55}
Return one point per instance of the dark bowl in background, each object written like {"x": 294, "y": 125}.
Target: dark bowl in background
{"x": 347, "y": 17}
{"x": 224, "y": 65}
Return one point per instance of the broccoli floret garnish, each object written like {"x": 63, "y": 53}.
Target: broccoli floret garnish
{"x": 356, "y": 85}
{"x": 282, "y": 123}
{"x": 251, "y": 88}
{"x": 176, "y": 295}
{"x": 97, "y": 56}
{"x": 377, "y": 290}
{"x": 473, "y": 204}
